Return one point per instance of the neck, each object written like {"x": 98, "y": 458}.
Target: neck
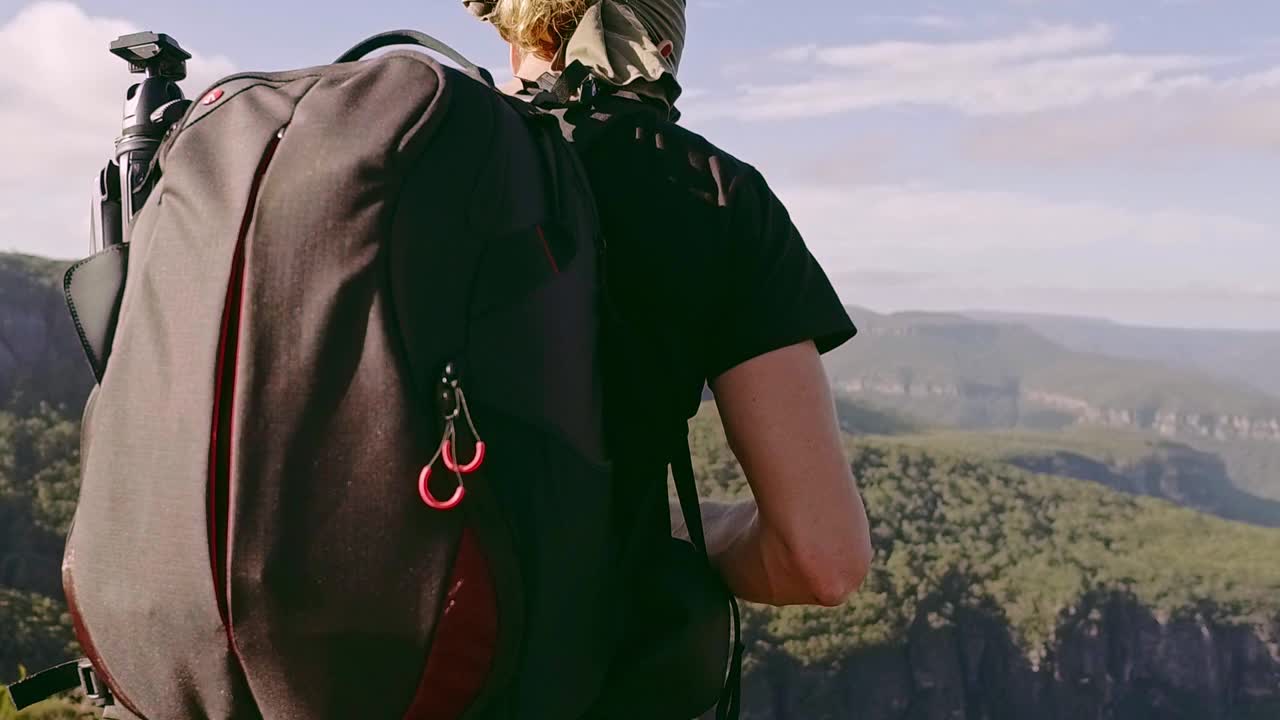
{"x": 530, "y": 67}
{"x": 533, "y": 67}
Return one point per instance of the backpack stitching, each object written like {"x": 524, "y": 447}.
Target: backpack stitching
{"x": 67, "y": 282}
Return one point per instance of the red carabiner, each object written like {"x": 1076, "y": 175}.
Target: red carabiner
{"x": 424, "y": 490}
{"x": 470, "y": 467}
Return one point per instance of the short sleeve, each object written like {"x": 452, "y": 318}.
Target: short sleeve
{"x": 774, "y": 294}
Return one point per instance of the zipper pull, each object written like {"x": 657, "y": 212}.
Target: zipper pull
{"x": 452, "y": 404}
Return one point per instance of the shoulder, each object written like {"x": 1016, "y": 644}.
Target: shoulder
{"x": 638, "y": 152}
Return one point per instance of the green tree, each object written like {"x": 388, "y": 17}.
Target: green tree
{"x": 39, "y": 461}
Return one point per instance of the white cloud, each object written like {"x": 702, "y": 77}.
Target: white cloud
{"x": 61, "y": 97}
{"x": 953, "y": 238}
{"x": 919, "y": 216}
{"x": 1044, "y": 68}
{"x": 1040, "y": 42}
{"x": 936, "y": 22}
{"x": 1235, "y": 114}
{"x": 1049, "y": 95}
{"x": 1257, "y": 82}
{"x": 930, "y": 21}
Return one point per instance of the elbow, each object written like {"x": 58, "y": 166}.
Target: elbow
{"x": 838, "y": 585}
{"x": 833, "y": 572}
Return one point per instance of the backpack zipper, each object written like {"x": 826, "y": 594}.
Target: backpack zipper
{"x": 220, "y": 434}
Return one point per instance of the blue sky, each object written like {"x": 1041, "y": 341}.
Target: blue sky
{"x": 1100, "y": 158}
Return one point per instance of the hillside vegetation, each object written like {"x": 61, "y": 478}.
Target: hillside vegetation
{"x": 56, "y": 709}
{"x": 961, "y": 538}
{"x": 1029, "y": 567}
{"x": 861, "y": 418}
{"x": 1126, "y": 461}
{"x": 1028, "y": 544}
{"x": 1254, "y": 465}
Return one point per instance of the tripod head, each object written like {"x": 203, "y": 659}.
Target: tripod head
{"x": 155, "y": 54}
{"x": 151, "y": 107}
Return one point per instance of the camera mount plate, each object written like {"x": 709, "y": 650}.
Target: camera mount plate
{"x": 155, "y": 54}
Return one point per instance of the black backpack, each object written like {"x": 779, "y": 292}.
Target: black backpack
{"x": 346, "y": 456}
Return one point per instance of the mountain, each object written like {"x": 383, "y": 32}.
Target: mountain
{"x": 951, "y": 356}
{"x": 862, "y": 418}
{"x": 954, "y": 371}
{"x": 1130, "y": 462}
{"x": 1238, "y": 355}
{"x": 40, "y": 356}
{"x": 1000, "y": 593}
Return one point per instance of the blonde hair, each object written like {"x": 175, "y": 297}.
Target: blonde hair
{"x": 540, "y": 27}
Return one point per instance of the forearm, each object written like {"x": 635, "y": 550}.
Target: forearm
{"x": 752, "y": 560}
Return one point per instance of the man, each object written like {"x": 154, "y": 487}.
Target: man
{"x": 704, "y": 262}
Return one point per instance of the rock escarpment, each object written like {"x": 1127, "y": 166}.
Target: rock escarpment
{"x": 40, "y": 356}
{"x": 1111, "y": 659}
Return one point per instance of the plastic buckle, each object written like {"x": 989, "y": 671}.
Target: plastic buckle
{"x": 96, "y": 692}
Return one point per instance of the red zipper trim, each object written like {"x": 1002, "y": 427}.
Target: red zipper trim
{"x": 86, "y": 640}
{"x": 546, "y": 247}
{"x": 465, "y": 643}
{"x": 220, "y": 433}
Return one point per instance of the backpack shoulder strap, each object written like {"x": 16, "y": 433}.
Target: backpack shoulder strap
{"x": 423, "y": 40}
{"x": 582, "y": 124}
{"x": 687, "y": 490}
{"x": 729, "y": 706}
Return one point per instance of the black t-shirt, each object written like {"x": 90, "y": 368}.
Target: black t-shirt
{"x": 703, "y": 263}
{"x": 703, "y": 271}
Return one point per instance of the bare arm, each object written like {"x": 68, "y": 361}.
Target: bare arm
{"x": 804, "y": 538}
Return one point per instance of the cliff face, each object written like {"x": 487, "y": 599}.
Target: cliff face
{"x": 30, "y": 556}
{"x": 1027, "y": 400}
{"x": 1113, "y": 660}
{"x": 1172, "y": 424}
{"x": 40, "y": 355}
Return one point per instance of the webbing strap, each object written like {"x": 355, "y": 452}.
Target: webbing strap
{"x": 731, "y": 697}
{"x": 729, "y": 706}
{"x": 45, "y": 684}
{"x": 558, "y": 90}
{"x": 687, "y": 490}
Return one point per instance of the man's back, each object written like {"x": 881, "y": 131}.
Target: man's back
{"x": 714, "y": 285}
{"x": 702, "y": 260}
{"x": 705, "y": 259}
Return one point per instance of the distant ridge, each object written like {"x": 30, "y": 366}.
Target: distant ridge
{"x": 1248, "y": 356}
{"x": 946, "y": 354}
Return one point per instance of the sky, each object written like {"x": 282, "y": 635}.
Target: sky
{"x": 1081, "y": 157}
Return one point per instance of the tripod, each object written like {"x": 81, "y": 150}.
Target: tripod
{"x": 151, "y": 107}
